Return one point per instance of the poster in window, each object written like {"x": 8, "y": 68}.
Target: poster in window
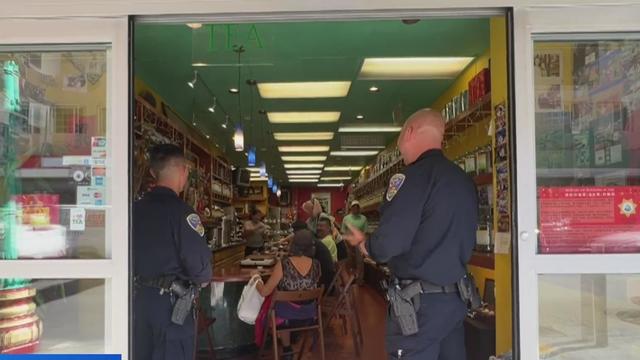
{"x": 548, "y": 66}
{"x": 324, "y": 199}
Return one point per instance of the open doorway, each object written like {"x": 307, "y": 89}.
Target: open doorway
{"x": 271, "y": 115}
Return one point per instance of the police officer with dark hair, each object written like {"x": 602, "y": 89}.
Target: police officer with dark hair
{"x": 171, "y": 262}
{"x": 426, "y": 236}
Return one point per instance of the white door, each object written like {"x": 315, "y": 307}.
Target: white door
{"x": 64, "y": 186}
{"x": 577, "y": 76}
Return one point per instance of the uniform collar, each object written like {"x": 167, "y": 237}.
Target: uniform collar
{"x": 428, "y": 154}
{"x": 163, "y": 190}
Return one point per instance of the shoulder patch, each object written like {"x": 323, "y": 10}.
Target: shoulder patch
{"x": 194, "y": 222}
{"x": 394, "y": 185}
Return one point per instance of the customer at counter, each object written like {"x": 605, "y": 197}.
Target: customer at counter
{"x": 296, "y": 272}
{"x": 360, "y": 222}
{"x": 322, "y": 254}
{"x": 325, "y": 234}
{"x": 254, "y": 233}
{"x": 313, "y": 208}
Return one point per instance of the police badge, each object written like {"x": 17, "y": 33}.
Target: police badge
{"x": 394, "y": 185}
{"x": 194, "y": 221}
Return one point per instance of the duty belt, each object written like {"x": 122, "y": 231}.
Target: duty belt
{"x": 161, "y": 282}
{"x": 431, "y": 288}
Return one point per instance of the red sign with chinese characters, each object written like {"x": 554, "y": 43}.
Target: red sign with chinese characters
{"x": 589, "y": 219}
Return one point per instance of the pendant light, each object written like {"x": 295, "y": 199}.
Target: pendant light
{"x": 251, "y": 157}
{"x": 270, "y": 182}
{"x": 238, "y": 138}
{"x": 192, "y": 83}
{"x": 263, "y": 169}
{"x": 278, "y": 193}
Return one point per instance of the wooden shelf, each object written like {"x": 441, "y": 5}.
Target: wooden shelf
{"x": 483, "y": 260}
{"x": 377, "y": 182}
{"x": 475, "y": 114}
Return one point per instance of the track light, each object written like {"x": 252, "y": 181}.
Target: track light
{"x": 192, "y": 83}
{"x": 212, "y": 108}
{"x": 226, "y": 122}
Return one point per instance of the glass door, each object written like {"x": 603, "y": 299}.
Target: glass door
{"x": 63, "y": 181}
{"x": 578, "y": 183}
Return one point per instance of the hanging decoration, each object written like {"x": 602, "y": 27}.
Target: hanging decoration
{"x": 238, "y": 138}
{"x": 251, "y": 156}
{"x": 278, "y": 193}
{"x": 274, "y": 188}
{"x": 270, "y": 182}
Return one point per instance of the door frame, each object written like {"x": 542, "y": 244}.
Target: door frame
{"x": 59, "y": 33}
{"x": 566, "y": 22}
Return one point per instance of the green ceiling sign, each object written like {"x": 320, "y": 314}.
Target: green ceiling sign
{"x": 225, "y": 37}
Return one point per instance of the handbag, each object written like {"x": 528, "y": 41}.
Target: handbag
{"x": 250, "y": 301}
{"x": 260, "y": 330}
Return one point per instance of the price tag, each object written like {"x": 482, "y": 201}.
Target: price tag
{"x": 77, "y": 219}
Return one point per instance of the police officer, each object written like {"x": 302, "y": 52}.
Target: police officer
{"x": 168, "y": 248}
{"x": 426, "y": 236}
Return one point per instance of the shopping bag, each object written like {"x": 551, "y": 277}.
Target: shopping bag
{"x": 260, "y": 330}
{"x": 250, "y": 301}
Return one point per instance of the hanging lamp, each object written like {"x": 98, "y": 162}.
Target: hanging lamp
{"x": 251, "y": 156}
{"x": 238, "y": 138}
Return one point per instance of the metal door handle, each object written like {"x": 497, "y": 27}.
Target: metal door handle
{"x": 524, "y": 235}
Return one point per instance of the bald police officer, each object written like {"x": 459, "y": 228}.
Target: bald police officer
{"x": 169, "y": 251}
{"x": 426, "y": 236}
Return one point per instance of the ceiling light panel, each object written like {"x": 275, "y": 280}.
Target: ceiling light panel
{"x": 311, "y": 148}
{"x": 303, "y": 136}
{"x": 370, "y": 129}
{"x": 413, "y": 68}
{"x": 304, "y": 90}
{"x": 335, "y": 178}
{"x": 303, "y": 180}
{"x": 303, "y": 166}
{"x": 302, "y": 158}
{"x": 354, "y": 153}
{"x": 303, "y": 172}
{"x": 316, "y": 176}
{"x": 342, "y": 168}
{"x": 303, "y": 117}
{"x": 331, "y": 185}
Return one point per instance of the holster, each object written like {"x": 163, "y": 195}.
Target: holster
{"x": 183, "y": 305}
{"x": 469, "y": 292}
{"x": 404, "y": 307}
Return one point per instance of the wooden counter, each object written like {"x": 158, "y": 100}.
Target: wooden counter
{"x": 228, "y": 255}
{"x": 235, "y": 273}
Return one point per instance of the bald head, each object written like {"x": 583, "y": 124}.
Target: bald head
{"x": 423, "y": 131}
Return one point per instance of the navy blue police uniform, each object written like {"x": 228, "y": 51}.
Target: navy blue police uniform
{"x": 168, "y": 241}
{"x": 427, "y": 232}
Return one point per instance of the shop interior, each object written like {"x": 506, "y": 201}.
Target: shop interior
{"x": 274, "y": 114}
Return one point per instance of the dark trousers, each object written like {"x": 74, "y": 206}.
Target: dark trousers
{"x": 441, "y": 335}
{"x": 155, "y": 336}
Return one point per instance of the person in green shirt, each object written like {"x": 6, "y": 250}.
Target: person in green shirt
{"x": 359, "y": 221}
{"x": 326, "y": 236}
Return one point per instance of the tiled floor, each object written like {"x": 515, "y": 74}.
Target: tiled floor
{"x": 339, "y": 346}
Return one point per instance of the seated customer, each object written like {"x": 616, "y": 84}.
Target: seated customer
{"x": 299, "y": 271}
{"x": 322, "y": 254}
{"x": 325, "y": 234}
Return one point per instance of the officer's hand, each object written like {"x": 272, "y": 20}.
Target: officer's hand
{"x": 355, "y": 237}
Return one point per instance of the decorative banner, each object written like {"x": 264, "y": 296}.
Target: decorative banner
{"x": 597, "y": 219}
{"x": 251, "y": 156}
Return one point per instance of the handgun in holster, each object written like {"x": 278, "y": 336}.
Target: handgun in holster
{"x": 185, "y": 294}
{"x": 404, "y": 304}
{"x": 469, "y": 292}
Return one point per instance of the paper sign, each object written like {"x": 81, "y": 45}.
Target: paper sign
{"x": 596, "y": 219}
{"x": 98, "y": 147}
{"x": 503, "y": 243}
{"x": 77, "y": 219}
{"x": 98, "y": 176}
{"x": 90, "y": 195}
{"x": 76, "y": 160}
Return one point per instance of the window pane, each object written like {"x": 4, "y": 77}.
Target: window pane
{"x": 589, "y": 316}
{"x": 52, "y": 316}
{"x": 587, "y": 103}
{"x": 53, "y": 154}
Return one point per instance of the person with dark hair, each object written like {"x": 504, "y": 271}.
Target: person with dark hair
{"x": 254, "y": 233}
{"x": 169, "y": 251}
{"x": 322, "y": 254}
{"x": 296, "y": 272}
{"x": 325, "y": 234}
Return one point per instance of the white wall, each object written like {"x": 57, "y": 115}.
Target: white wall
{"x": 63, "y": 8}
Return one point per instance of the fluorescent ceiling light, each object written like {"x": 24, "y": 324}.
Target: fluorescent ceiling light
{"x": 194, "y": 25}
{"x": 316, "y": 176}
{"x": 381, "y": 128}
{"x": 413, "y": 68}
{"x": 259, "y": 179}
{"x": 303, "y": 166}
{"x": 303, "y": 117}
{"x": 303, "y": 180}
{"x": 304, "y": 90}
{"x": 342, "y": 168}
{"x": 294, "y": 158}
{"x": 331, "y": 185}
{"x": 313, "y": 148}
{"x": 302, "y": 172}
{"x": 253, "y": 169}
{"x": 335, "y": 178}
{"x": 300, "y": 136}
{"x": 355, "y": 153}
